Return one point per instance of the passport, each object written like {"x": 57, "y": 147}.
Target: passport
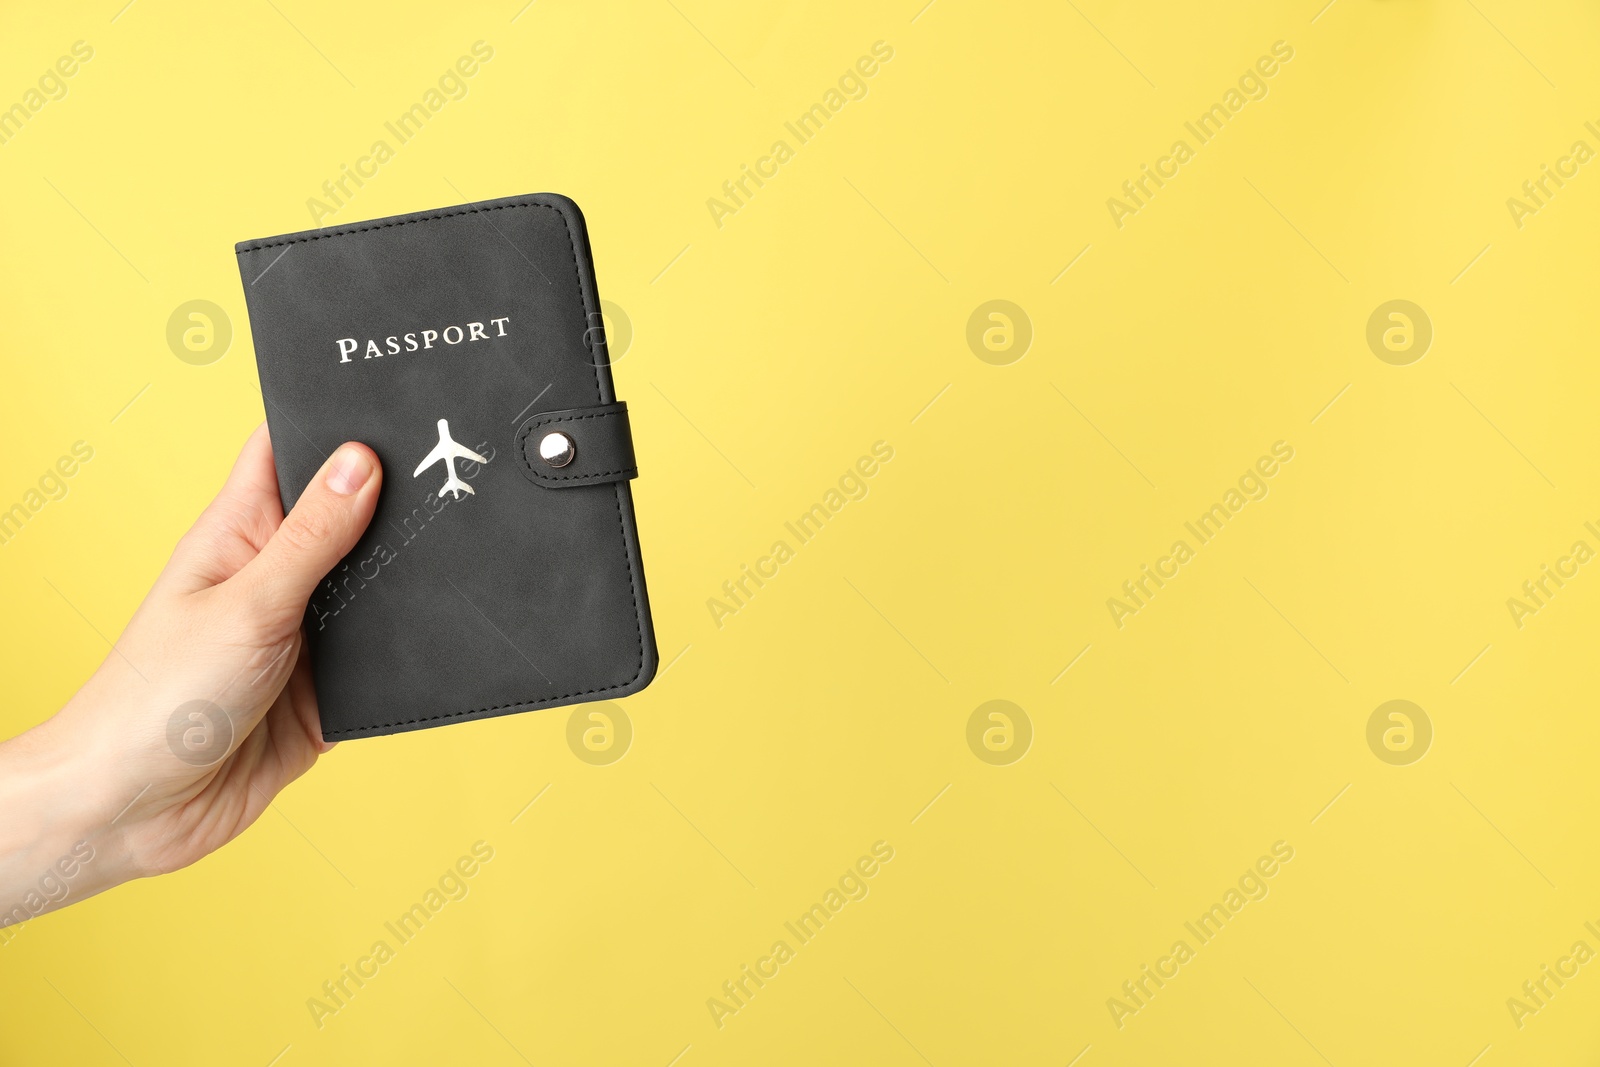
{"x": 464, "y": 345}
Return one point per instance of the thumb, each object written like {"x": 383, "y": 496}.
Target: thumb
{"x": 326, "y": 522}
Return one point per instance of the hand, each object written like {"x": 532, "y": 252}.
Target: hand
{"x": 204, "y": 709}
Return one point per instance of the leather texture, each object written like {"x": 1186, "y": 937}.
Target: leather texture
{"x": 520, "y": 589}
{"x": 602, "y": 439}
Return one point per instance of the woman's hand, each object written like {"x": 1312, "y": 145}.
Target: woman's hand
{"x": 204, "y": 709}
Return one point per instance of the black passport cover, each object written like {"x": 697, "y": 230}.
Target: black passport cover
{"x": 525, "y": 587}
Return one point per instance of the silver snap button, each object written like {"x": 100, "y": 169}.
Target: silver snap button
{"x": 557, "y": 449}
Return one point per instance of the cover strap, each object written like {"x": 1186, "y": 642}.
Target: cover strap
{"x": 597, "y": 450}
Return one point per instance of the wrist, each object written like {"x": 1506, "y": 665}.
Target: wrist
{"x": 65, "y": 846}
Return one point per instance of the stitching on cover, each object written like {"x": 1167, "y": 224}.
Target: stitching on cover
{"x": 633, "y": 581}
{"x": 404, "y": 222}
{"x": 522, "y": 448}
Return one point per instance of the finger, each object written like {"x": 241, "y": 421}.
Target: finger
{"x": 253, "y": 484}
{"x": 237, "y": 524}
{"x": 325, "y": 523}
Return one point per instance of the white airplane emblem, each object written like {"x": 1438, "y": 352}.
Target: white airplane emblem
{"x": 449, "y": 451}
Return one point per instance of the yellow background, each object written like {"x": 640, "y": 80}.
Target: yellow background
{"x": 768, "y": 354}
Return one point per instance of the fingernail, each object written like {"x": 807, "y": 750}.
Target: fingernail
{"x": 351, "y": 469}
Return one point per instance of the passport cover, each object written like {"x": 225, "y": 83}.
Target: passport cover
{"x": 464, "y": 345}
